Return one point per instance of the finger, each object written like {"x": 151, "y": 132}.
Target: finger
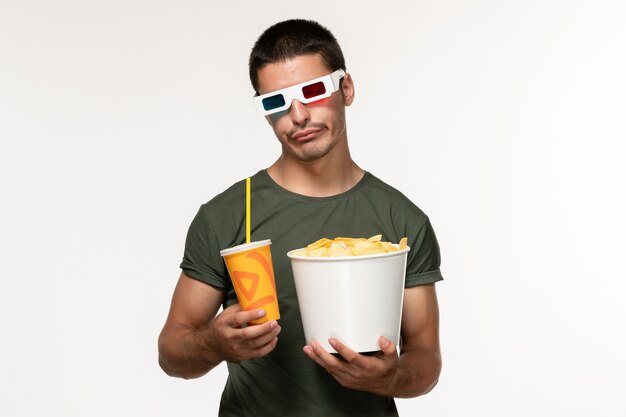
{"x": 240, "y": 318}
{"x": 325, "y": 359}
{"x": 252, "y": 332}
{"x": 264, "y": 338}
{"x": 267, "y": 348}
{"x": 387, "y": 347}
{"x": 348, "y": 354}
{"x": 310, "y": 352}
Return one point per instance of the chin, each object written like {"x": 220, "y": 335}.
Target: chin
{"x": 311, "y": 151}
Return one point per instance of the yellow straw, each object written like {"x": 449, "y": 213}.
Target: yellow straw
{"x": 248, "y": 210}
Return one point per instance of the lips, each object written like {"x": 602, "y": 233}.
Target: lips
{"x": 307, "y": 134}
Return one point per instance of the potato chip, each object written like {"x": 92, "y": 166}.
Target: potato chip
{"x": 319, "y": 244}
{"x": 347, "y": 246}
{"x": 317, "y": 252}
{"x": 376, "y": 238}
{"x": 339, "y": 249}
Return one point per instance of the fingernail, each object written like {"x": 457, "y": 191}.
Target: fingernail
{"x": 261, "y": 313}
{"x": 383, "y": 343}
{"x": 273, "y": 324}
{"x": 332, "y": 342}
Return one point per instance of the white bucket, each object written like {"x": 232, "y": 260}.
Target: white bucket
{"x": 355, "y": 299}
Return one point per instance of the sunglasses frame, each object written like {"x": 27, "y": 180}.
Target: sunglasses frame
{"x": 331, "y": 84}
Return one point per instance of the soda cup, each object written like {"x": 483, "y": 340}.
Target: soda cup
{"x": 252, "y": 274}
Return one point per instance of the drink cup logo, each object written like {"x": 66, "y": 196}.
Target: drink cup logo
{"x": 248, "y": 282}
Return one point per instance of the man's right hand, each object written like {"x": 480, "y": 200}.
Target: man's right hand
{"x": 195, "y": 338}
{"x": 225, "y": 334}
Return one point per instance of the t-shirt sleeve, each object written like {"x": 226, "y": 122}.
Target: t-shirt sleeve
{"x": 424, "y": 259}
{"x": 202, "y": 259}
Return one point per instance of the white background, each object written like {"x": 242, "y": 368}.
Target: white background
{"x": 503, "y": 120}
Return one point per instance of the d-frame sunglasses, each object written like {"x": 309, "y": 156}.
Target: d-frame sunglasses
{"x": 305, "y": 92}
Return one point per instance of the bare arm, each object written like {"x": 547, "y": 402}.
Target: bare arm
{"x": 195, "y": 338}
{"x": 415, "y": 372}
{"x": 419, "y": 364}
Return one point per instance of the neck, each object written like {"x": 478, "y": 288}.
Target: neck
{"x": 330, "y": 175}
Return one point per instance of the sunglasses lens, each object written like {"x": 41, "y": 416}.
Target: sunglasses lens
{"x": 273, "y": 102}
{"x": 313, "y": 90}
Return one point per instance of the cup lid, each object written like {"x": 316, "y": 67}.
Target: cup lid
{"x": 245, "y": 246}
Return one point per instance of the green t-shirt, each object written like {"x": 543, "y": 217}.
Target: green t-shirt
{"x": 286, "y": 382}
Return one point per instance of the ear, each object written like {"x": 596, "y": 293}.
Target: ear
{"x": 347, "y": 87}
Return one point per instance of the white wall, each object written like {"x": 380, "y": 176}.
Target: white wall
{"x": 503, "y": 120}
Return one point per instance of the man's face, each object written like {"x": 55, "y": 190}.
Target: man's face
{"x": 307, "y": 131}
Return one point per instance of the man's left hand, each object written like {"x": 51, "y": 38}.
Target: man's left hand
{"x": 353, "y": 370}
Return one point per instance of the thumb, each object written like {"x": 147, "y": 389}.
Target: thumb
{"x": 388, "y": 348}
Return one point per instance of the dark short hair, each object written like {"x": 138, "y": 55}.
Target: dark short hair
{"x": 292, "y": 38}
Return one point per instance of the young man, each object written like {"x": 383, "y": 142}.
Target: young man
{"x": 313, "y": 190}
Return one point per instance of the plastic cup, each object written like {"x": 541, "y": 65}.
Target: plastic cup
{"x": 252, "y": 273}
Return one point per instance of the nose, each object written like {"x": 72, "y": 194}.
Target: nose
{"x": 299, "y": 113}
